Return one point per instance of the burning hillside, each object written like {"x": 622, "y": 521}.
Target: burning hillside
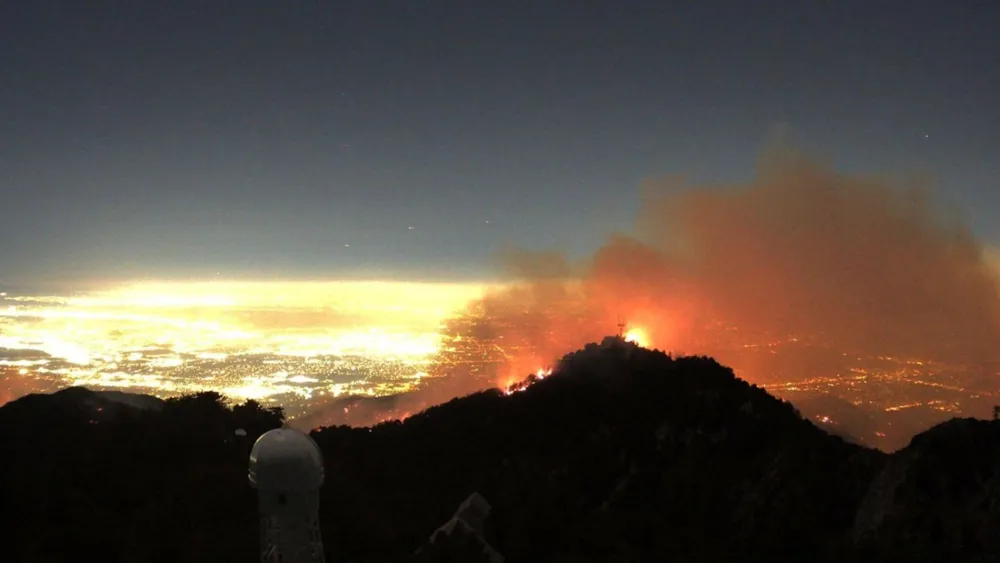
{"x": 795, "y": 272}
{"x": 802, "y": 257}
{"x": 518, "y": 386}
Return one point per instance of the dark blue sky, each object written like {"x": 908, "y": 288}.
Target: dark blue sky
{"x": 258, "y": 138}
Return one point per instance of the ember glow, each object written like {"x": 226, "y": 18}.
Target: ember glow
{"x": 637, "y": 336}
{"x": 519, "y": 386}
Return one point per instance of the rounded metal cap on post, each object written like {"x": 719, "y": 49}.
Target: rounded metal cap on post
{"x": 285, "y": 459}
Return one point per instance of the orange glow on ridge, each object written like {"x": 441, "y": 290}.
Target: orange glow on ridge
{"x": 637, "y": 336}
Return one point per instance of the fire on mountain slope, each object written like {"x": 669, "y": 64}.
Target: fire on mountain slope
{"x": 527, "y": 382}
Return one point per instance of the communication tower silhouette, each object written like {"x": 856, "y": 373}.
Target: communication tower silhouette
{"x": 621, "y": 327}
{"x": 286, "y": 468}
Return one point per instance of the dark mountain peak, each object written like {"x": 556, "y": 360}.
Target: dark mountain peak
{"x": 619, "y": 385}
{"x": 136, "y": 400}
{"x": 619, "y": 446}
{"x": 75, "y": 400}
{"x": 940, "y": 495}
{"x": 78, "y": 403}
{"x": 959, "y": 434}
{"x": 620, "y": 454}
{"x": 68, "y": 395}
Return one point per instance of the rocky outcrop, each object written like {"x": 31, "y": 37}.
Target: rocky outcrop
{"x": 463, "y": 537}
{"x": 938, "y": 498}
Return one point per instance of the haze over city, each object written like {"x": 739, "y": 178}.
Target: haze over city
{"x": 301, "y": 203}
{"x": 306, "y": 281}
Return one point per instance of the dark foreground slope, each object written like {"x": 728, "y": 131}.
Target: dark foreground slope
{"x": 623, "y": 454}
{"x": 91, "y": 477}
{"x": 939, "y": 498}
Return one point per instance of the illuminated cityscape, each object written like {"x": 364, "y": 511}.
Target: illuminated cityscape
{"x": 280, "y": 343}
{"x": 301, "y": 345}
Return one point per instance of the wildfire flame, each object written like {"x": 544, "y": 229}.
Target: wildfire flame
{"x": 637, "y": 336}
{"x": 539, "y": 375}
{"x": 393, "y": 417}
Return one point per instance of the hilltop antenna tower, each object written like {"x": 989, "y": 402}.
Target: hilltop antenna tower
{"x": 286, "y": 468}
{"x": 621, "y": 327}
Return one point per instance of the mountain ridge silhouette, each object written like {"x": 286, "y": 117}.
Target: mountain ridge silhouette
{"x": 622, "y": 454}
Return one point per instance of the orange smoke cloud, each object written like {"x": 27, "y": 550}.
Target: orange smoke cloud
{"x": 860, "y": 265}
{"x": 865, "y": 265}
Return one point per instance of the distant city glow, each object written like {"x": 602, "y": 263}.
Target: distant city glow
{"x": 302, "y": 345}
{"x": 248, "y": 340}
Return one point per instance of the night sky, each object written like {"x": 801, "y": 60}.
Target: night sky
{"x": 304, "y": 138}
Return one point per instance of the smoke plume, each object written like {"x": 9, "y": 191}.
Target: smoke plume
{"x": 859, "y": 265}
